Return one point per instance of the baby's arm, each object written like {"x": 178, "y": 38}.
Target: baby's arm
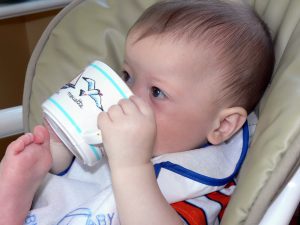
{"x": 129, "y": 131}
{"x": 61, "y": 155}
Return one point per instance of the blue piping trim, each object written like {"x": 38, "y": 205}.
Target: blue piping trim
{"x": 66, "y": 170}
{"x": 202, "y": 178}
{"x": 110, "y": 79}
{"x": 93, "y": 148}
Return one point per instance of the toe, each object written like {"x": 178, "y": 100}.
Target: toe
{"x": 41, "y": 134}
{"x": 19, "y": 145}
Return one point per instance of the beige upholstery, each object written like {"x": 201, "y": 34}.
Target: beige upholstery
{"x": 85, "y": 31}
{"x": 275, "y": 149}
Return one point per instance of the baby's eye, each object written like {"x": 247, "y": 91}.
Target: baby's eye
{"x": 157, "y": 93}
{"x": 126, "y": 77}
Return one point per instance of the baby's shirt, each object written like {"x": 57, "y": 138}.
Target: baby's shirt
{"x": 84, "y": 194}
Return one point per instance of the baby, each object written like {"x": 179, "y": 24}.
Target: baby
{"x": 197, "y": 68}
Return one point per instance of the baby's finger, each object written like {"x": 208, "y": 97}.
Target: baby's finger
{"x": 141, "y": 105}
{"x": 102, "y": 119}
{"x": 114, "y": 112}
{"x": 127, "y": 106}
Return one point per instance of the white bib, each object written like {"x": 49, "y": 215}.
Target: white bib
{"x": 83, "y": 196}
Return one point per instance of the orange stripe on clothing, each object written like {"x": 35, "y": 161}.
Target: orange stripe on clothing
{"x": 231, "y": 183}
{"x": 221, "y": 199}
{"x": 191, "y": 213}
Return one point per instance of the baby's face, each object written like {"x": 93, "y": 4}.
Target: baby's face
{"x": 177, "y": 81}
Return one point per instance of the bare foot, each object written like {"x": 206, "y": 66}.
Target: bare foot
{"x": 26, "y": 162}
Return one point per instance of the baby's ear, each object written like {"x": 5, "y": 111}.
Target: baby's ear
{"x": 227, "y": 123}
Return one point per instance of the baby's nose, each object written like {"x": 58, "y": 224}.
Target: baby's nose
{"x": 142, "y": 93}
{"x": 137, "y": 90}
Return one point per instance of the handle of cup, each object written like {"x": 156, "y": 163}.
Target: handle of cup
{"x": 92, "y": 138}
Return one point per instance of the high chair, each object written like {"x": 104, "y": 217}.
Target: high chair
{"x": 268, "y": 189}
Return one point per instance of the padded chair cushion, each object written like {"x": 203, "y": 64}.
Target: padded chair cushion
{"x": 275, "y": 149}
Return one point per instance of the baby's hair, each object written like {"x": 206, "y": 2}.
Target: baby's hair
{"x": 240, "y": 40}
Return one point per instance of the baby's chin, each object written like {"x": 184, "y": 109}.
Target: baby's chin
{"x": 160, "y": 150}
{"x": 155, "y": 154}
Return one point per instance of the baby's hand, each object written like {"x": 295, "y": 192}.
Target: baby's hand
{"x": 128, "y": 132}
